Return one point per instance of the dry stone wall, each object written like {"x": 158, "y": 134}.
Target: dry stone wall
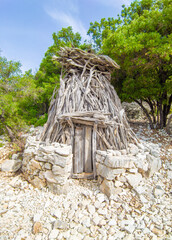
{"x": 126, "y": 168}
{"x": 47, "y": 165}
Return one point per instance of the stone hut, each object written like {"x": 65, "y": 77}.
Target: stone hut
{"x": 87, "y": 134}
{"x": 86, "y": 113}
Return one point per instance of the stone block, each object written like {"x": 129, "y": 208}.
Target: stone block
{"x": 133, "y": 149}
{"x": 108, "y": 173}
{"x": 57, "y": 188}
{"x": 118, "y": 162}
{"x": 107, "y": 187}
{"x": 46, "y": 149}
{"x": 48, "y": 166}
{"x": 58, "y": 160}
{"x": 101, "y": 153}
{"x": 35, "y": 165}
{"x": 40, "y": 158}
{"x": 57, "y": 170}
{"x": 50, "y": 177}
{"x": 11, "y": 165}
{"x": 61, "y": 180}
{"x": 154, "y": 165}
{"x": 100, "y": 158}
{"x": 39, "y": 183}
{"x": 134, "y": 179}
{"x": 64, "y": 151}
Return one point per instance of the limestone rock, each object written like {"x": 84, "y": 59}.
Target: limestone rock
{"x": 108, "y": 173}
{"x": 37, "y": 216}
{"x": 60, "y": 225}
{"x": 58, "y": 160}
{"x": 154, "y": 165}
{"x": 50, "y": 177}
{"x": 133, "y": 149}
{"x": 91, "y": 209}
{"x": 118, "y": 162}
{"x": 65, "y": 151}
{"x": 158, "y": 232}
{"x": 57, "y": 213}
{"x": 11, "y": 165}
{"x": 57, "y": 170}
{"x": 46, "y": 149}
{"x": 39, "y": 183}
{"x": 112, "y": 222}
{"x": 54, "y": 234}
{"x": 134, "y": 179}
{"x": 15, "y": 156}
{"x": 158, "y": 191}
{"x": 37, "y": 227}
{"x": 35, "y": 165}
{"x": 107, "y": 187}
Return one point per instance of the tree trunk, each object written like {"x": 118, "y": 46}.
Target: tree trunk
{"x": 168, "y": 124}
{"x": 146, "y": 112}
{"x": 10, "y": 133}
{"x": 8, "y": 129}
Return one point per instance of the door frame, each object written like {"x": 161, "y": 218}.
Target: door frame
{"x": 91, "y": 175}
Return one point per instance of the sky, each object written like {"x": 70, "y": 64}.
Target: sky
{"x": 26, "y": 26}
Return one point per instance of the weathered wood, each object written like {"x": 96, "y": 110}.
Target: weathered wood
{"x": 94, "y": 144}
{"x": 88, "y": 153}
{"x": 86, "y": 96}
{"x": 78, "y": 150}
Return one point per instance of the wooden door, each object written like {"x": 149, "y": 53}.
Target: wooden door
{"x": 82, "y": 150}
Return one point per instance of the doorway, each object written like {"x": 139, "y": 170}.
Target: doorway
{"x": 82, "y": 151}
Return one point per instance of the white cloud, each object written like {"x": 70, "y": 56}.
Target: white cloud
{"x": 114, "y": 3}
{"x": 66, "y": 19}
{"x": 66, "y": 13}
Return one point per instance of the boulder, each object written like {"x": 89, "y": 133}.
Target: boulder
{"x": 11, "y": 165}
{"x": 108, "y": 173}
{"x": 107, "y": 187}
{"x": 154, "y": 165}
{"x": 134, "y": 179}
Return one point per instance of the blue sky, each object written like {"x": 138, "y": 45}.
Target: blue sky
{"x": 26, "y": 26}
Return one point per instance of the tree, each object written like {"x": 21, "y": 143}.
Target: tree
{"x": 142, "y": 45}
{"x": 48, "y": 76}
{"x": 15, "y": 89}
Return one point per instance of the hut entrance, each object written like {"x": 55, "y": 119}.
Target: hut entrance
{"x": 82, "y": 151}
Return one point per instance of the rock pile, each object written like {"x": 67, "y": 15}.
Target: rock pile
{"x": 117, "y": 169}
{"x": 134, "y": 111}
{"x": 46, "y": 164}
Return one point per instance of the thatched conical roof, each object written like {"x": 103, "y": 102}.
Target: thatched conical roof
{"x": 77, "y": 58}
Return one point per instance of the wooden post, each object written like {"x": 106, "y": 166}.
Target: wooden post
{"x": 94, "y": 148}
{"x": 72, "y": 143}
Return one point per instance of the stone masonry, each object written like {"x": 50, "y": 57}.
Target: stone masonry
{"x": 126, "y": 168}
{"x": 47, "y": 165}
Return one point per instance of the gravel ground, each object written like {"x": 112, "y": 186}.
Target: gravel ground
{"x": 85, "y": 213}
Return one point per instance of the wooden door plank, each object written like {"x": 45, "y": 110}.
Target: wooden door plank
{"x": 94, "y": 149}
{"x": 88, "y": 166}
{"x": 78, "y": 150}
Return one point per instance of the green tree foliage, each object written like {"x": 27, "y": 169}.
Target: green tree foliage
{"x": 49, "y": 72}
{"x": 141, "y": 42}
{"x": 17, "y": 90}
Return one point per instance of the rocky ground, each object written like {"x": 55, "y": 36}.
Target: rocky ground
{"x": 143, "y": 212}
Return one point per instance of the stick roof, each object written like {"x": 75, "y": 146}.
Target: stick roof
{"x": 77, "y": 58}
